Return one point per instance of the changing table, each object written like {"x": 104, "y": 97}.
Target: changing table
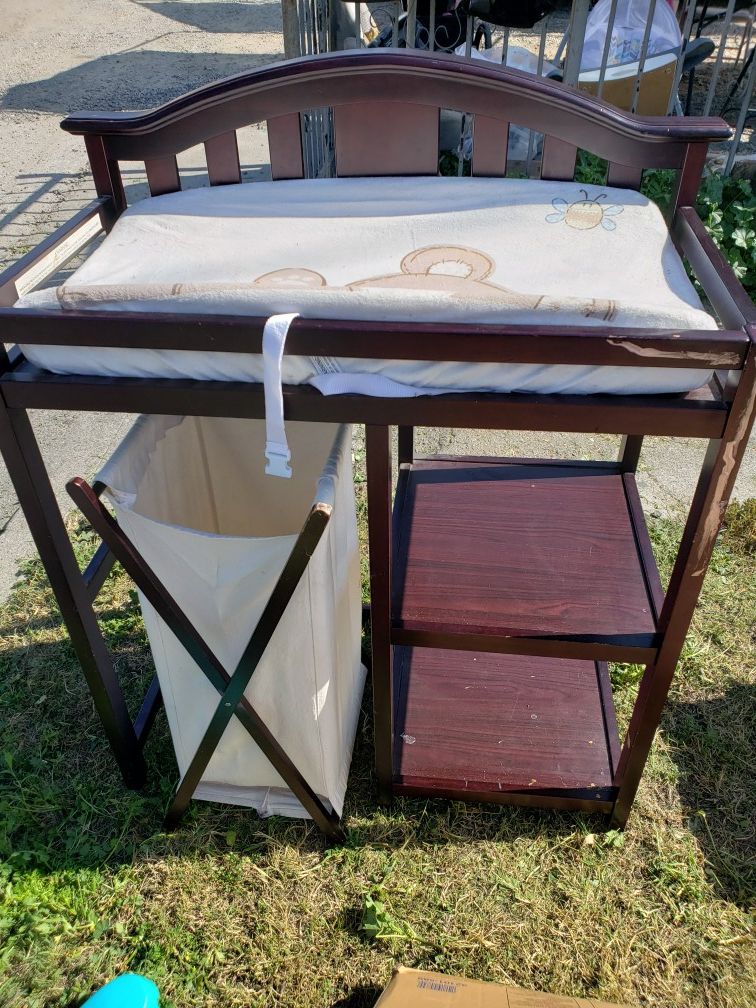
{"x": 500, "y": 588}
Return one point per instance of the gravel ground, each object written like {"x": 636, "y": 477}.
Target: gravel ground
{"x": 57, "y": 56}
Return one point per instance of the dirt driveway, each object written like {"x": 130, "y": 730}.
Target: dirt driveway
{"x": 57, "y": 56}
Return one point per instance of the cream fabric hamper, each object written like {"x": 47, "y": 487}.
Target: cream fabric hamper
{"x": 192, "y": 495}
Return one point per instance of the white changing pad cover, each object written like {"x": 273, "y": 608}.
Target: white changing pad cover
{"x": 430, "y": 249}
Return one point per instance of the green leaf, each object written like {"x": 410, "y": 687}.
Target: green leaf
{"x": 743, "y": 238}
{"x": 613, "y": 838}
{"x": 377, "y": 922}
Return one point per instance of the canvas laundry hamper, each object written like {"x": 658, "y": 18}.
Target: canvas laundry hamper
{"x": 192, "y": 495}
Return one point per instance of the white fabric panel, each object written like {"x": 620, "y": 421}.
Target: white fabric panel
{"x": 406, "y": 249}
{"x": 191, "y": 495}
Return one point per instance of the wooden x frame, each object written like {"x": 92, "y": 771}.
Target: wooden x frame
{"x": 231, "y": 688}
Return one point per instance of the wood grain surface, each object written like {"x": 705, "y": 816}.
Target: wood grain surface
{"x": 480, "y": 722}
{"x": 519, "y": 550}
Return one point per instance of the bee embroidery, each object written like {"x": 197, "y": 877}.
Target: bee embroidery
{"x": 584, "y": 213}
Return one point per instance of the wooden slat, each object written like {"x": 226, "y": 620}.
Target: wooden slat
{"x": 379, "y": 485}
{"x": 162, "y": 175}
{"x": 639, "y": 648}
{"x": 386, "y": 138}
{"x": 629, "y": 453}
{"x": 96, "y": 572}
{"x": 624, "y": 176}
{"x": 153, "y": 701}
{"x": 54, "y": 251}
{"x": 490, "y": 139}
{"x": 285, "y": 147}
{"x": 689, "y": 178}
{"x": 107, "y": 179}
{"x": 558, "y": 160}
{"x": 643, "y": 540}
{"x": 697, "y": 414}
{"x": 222, "y": 154}
{"x": 610, "y": 724}
{"x": 406, "y": 439}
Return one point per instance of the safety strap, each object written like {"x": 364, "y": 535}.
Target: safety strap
{"x": 276, "y": 446}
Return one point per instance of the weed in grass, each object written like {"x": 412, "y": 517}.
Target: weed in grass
{"x": 377, "y": 923}
{"x": 624, "y": 676}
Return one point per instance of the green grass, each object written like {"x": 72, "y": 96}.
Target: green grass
{"x": 236, "y": 911}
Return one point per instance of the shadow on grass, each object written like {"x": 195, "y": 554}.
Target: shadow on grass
{"x": 364, "y": 996}
{"x": 714, "y": 747}
{"x": 64, "y": 805}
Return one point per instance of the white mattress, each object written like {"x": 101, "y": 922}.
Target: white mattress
{"x": 406, "y": 249}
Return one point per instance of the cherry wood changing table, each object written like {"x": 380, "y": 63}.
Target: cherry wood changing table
{"x": 500, "y": 588}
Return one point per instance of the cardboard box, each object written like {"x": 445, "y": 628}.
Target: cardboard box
{"x": 410, "y": 988}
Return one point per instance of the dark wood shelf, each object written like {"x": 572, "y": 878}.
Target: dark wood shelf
{"x": 528, "y": 557}
{"x": 505, "y": 728}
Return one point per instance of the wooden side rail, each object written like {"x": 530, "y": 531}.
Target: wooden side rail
{"x": 698, "y": 414}
{"x": 704, "y": 349}
{"x": 723, "y": 289}
{"x": 53, "y": 253}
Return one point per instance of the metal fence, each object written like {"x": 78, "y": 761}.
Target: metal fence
{"x": 710, "y": 68}
{"x": 310, "y": 27}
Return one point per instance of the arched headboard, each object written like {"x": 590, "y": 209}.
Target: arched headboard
{"x": 386, "y": 107}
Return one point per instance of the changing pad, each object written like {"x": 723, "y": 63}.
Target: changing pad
{"x": 403, "y": 249}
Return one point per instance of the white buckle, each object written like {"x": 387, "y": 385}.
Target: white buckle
{"x": 278, "y": 460}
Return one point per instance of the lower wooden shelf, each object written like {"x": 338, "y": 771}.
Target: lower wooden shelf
{"x": 505, "y": 728}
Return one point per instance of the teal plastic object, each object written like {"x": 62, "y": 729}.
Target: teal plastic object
{"x": 127, "y": 991}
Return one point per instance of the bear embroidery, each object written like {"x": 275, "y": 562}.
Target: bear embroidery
{"x": 450, "y": 269}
